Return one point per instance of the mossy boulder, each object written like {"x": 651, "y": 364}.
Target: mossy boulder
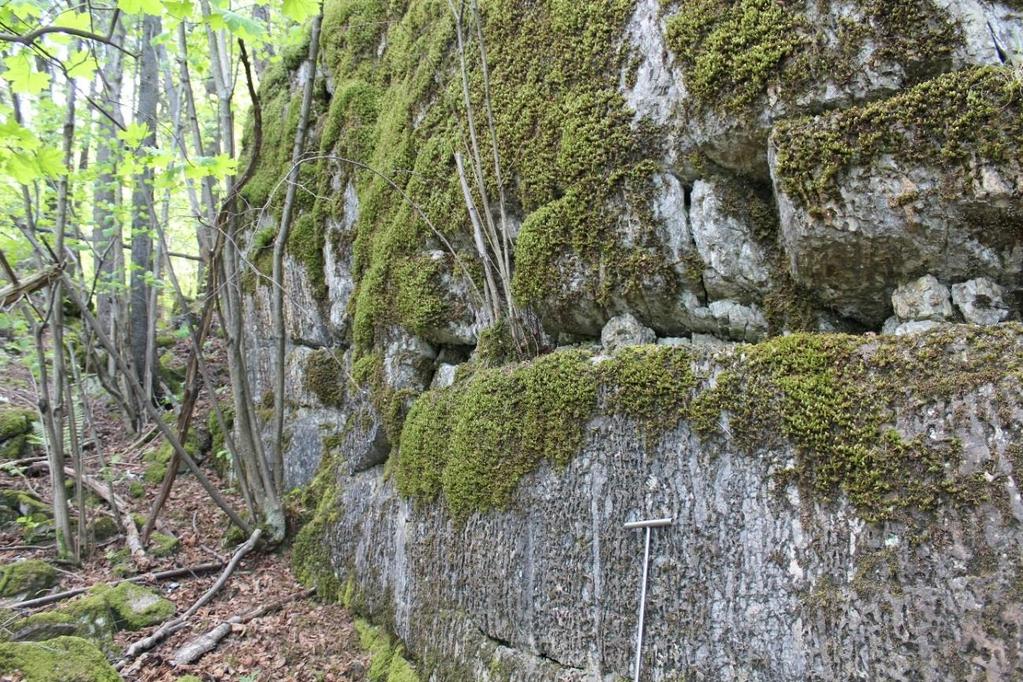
{"x": 15, "y": 428}
{"x": 26, "y": 579}
{"x": 15, "y": 504}
{"x": 63, "y": 659}
{"x": 99, "y": 614}
{"x": 103, "y": 528}
{"x": 136, "y": 607}
{"x": 157, "y": 460}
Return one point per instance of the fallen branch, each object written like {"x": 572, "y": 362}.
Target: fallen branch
{"x": 12, "y": 293}
{"x": 196, "y": 648}
{"x": 175, "y": 624}
{"x": 123, "y": 511}
{"x": 196, "y": 570}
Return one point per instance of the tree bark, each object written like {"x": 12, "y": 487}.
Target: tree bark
{"x": 142, "y": 198}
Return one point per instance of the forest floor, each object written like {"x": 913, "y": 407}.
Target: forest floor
{"x": 304, "y": 640}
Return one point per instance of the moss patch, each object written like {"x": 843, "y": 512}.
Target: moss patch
{"x": 310, "y": 557}
{"x": 64, "y": 659}
{"x": 325, "y": 376}
{"x": 163, "y": 545}
{"x": 387, "y": 661}
{"x": 27, "y": 578}
{"x": 947, "y": 122}
{"x": 733, "y": 53}
{"x": 15, "y": 429}
{"x": 473, "y": 442}
{"x": 832, "y": 398}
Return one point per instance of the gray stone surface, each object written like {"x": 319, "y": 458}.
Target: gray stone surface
{"x": 736, "y": 264}
{"x": 625, "y": 330}
{"x": 981, "y": 301}
{"x": 922, "y": 299}
{"x": 854, "y": 249}
{"x": 754, "y": 581}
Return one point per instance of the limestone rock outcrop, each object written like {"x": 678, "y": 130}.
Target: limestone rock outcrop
{"x": 701, "y": 198}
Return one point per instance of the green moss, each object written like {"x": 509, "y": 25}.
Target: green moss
{"x": 163, "y": 545}
{"x": 26, "y": 579}
{"x": 946, "y": 122}
{"x": 158, "y": 459}
{"x": 135, "y": 607}
{"x": 474, "y": 442}
{"x": 820, "y": 393}
{"x": 64, "y": 659}
{"x": 733, "y": 53}
{"x": 15, "y": 428}
{"x": 103, "y": 528}
{"x": 306, "y": 242}
{"x": 325, "y": 376}
{"x": 136, "y": 490}
{"x": 310, "y": 556}
{"x": 15, "y": 422}
{"x": 652, "y": 384}
{"x": 387, "y": 661}
{"x": 832, "y": 398}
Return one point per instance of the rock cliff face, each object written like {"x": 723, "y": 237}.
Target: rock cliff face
{"x": 777, "y": 247}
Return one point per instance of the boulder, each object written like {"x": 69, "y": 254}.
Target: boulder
{"x": 872, "y": 197}
{"x": 15, "y": 428}
{"x": 63, "y": 659}
{"x": 625, "y": 330}
{"x": 26, "y": 579}
{"x": 981, "y": 301}
{"x": 922, "y": 299}
{"x": 735, "y": 264}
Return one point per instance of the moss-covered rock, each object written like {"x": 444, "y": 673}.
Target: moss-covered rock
{"x": 103, "y": 528}
{"x": 16, "y": 503}
{"x": 387, "y": 659}
{"x": 15, "y": 428}
{"x": 64, "y": 659}
{"x": 136, "y": 607}
{"x": 99, "y": 614}
{"x": 26, "y": 579}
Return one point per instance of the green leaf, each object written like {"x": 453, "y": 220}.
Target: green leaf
{"x": 240, "y": 26}
{"x": 79, "y": 20}
{"x": 81, "y": 64}
{"x": 50, "y": 162}
{"x": 133, "y": 134}
{"x": 179, "y": 9}
{"x": 300, "y": 10}
{"x": 22, "y": 77}
{"x": 141, "y": 6}
{"x": 219, "y": 167}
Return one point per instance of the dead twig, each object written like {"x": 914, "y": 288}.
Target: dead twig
{"x": 175, "y": 624}
{"x": 197, "y": 647}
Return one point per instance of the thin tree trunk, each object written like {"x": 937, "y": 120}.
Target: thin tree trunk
{"x": 65, "y": 546}
{"x": 280, "y": 332}
{"x": 142, "y": 197}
